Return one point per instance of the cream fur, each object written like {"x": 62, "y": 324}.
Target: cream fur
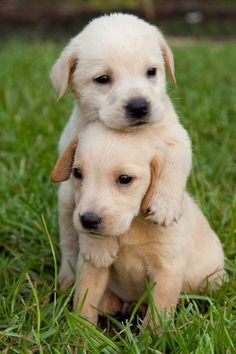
{"x": 124, "y": 47}
{"x": 128, "y": 248}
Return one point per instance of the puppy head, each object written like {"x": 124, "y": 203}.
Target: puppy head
{"x": 116, "y": 67}
{"x": 110, "y": 173}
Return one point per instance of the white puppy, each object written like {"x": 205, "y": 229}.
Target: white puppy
{"x": 116, "y": 69}
{"x": 113, "y": 175}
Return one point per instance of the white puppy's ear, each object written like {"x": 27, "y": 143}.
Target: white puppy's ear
{"x": 152, "y": 186}
{"x": 63, "y": 68}
{"x": 168, "y": 58}
{"x": 62, "y": 169}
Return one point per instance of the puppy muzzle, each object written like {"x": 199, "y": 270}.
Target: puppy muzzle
{"x": 138, "y": 111}
{"x": 90, "y": 221}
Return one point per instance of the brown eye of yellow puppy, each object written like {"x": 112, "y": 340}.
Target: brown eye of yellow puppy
{"x": 124, "y": 179}
{"x": 103, "y": 79}
{"x": 77, "y": 173}
{"x": 151, "y": 72}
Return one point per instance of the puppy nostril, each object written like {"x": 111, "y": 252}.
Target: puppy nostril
{"x": 90, "y": 220}
{"x": 137, "y": 107}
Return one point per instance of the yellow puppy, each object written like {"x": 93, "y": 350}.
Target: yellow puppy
{"x": 113, "y": 176}
{"x": 116, "y": 69}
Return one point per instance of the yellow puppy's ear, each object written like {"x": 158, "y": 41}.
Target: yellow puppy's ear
{"x": 152, "y": 187}
{"x": 62, "y": 169}
{"x": 63, "y": 69}
{"x": 168, "y": 58}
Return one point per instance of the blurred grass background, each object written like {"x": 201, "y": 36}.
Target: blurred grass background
{"x": 198, "y": 18}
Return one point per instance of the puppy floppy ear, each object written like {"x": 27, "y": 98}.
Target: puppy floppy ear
{"x": 152, "y": 186}
{"x": 168, "y": 58}
{"x": 63, "y": 69}
{"x": 62, "y": 169}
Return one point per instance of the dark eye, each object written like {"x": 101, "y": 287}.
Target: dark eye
{"x": 103, "y": 79}
{"x": 124, "y": 179}
{"x": 77, "y": 173}
{"x": 151, "y": 72}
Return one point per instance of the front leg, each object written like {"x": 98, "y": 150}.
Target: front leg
{"x": 165, "y": 206}
{"x": 168, "y": 284}
{"x": 68, "y": 236}
{"x": 90, "y": 288}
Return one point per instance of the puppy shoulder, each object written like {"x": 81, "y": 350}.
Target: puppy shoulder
{"x": 170, "y": 129}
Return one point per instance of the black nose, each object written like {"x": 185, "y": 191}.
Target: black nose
{"x": 137, "y": 108}
{"x": 90, "y": 220}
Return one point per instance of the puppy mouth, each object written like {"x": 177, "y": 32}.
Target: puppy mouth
{"x": 100, "y": 235}
{"x": 94, "y": 234}
{"x": 138, "y": 123}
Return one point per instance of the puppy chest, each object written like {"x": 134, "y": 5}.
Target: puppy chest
{"x": 128, "y": 274}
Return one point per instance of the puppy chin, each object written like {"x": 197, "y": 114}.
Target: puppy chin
{"x": 114, "y": 121}
{"x": 117, "y": 121}
{"x": 91, "y": 233}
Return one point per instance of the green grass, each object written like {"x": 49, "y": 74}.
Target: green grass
{"x": 35, "y": 317}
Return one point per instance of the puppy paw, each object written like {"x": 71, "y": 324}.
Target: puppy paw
{"x": 110, "y": 304}
{"x": 154, "y": 325}
{"x": 66, "y": 276}
{"x": 165, "y": 209}
{"x": 87, "y": 311}
{"x": 147, "y": 321}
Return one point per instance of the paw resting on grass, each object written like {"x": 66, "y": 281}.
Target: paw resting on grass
{"x": 66, "y": 276}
